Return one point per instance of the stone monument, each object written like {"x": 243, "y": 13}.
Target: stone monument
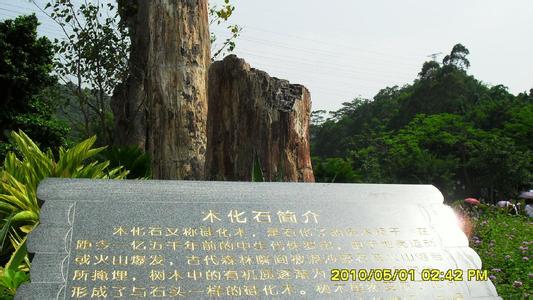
{"x": 104, "y": 239}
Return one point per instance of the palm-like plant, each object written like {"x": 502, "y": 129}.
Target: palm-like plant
{"x": 20, "y": 175}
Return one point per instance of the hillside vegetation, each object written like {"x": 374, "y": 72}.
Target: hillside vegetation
{"x": 446, "y": 128}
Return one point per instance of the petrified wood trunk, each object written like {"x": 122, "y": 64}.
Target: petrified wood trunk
{"x": 162, "y": 107}
{"x": 255, "y": 116}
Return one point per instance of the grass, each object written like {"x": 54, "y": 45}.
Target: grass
{"x": 504, "y": 242}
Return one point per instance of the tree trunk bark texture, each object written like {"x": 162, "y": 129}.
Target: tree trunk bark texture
{"x": 162, "y": 107}
{"x": 254, "y": 116}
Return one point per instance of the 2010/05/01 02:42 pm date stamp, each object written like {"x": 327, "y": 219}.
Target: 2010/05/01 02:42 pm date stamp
{"x": 408, "y": 275}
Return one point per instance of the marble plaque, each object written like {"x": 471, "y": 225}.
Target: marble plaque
{"x": 105, "y": 239}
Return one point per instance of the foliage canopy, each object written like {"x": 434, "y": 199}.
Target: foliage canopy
{"x": 446, "y": 129}
{"x": 25, "y": 74}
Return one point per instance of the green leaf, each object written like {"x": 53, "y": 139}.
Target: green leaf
{"x": 17, "y": 257}
{"x": 19, "y": 278}
{"x": 5, "y": 230}
{"x": 26, "y": 216}
{"x": 281, "y": 171}
{"x": 7, "y": 279}
{"x": 257, "y": 173}
{"x": 26, "y": 228}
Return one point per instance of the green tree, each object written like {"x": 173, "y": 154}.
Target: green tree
{"x": 457, "y": 157}
{"x": 429, "y": 70}
{"x": 498, "y": 168}
{"x": 447, "y": 89}
{"x": 334, "y": 170}
{"x": 519, "y": 126}
{"x": 91, "y": 59}
{"x": 446, "y": 128}
{"x": 25, "y": 67}
{"x": 457, "y": 58}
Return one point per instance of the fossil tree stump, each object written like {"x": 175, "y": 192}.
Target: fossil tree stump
{"x": 254, "y": 116}
{"x": 162, "y": 106}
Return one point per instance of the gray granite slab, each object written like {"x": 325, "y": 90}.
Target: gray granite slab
{"x": 104, "y": 239}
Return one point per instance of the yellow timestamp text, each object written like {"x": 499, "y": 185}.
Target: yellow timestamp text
{"x": 408, "y": 275}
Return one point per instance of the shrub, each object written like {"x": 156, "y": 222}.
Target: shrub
{"x": 130, "y": 157}
{"x": 19, "y": 177}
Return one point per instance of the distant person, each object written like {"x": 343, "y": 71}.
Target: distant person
{"x": 529, "y": 210}
{"x": 508, "y": 205}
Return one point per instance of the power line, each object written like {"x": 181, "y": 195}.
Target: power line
{"x": 11, "y": 11}
{"x": 340, "y": 88}
{"x": 294, "y": 64}
{"x": 16, "y": 6}
{"x": 339, "y": 83}
{"x": 315, "y": 50}
{"x": 413, "y": 57}
{"x": 42, "y": 20}
{"x": 344, "y": 46}
{"x": 330, "y": 67}
{"x": 271, "y": 43}
{"x": 323, "y": 52}
{"x": 347, "y": 66}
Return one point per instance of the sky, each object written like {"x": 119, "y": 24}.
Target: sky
{"x": 343, "y": 49}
